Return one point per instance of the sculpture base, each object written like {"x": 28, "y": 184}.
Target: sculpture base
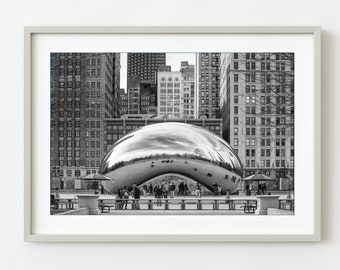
{"x": 266, "y": 201}
{"x": 89, "y": 201}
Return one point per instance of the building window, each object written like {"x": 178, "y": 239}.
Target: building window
{"x": 236, "y": 142}
{"x": 235, "y": 120}
{"x": 262, "y": 152}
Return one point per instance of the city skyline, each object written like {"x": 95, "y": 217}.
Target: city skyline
{"x": 251, "y": 95}
{"x": 172, "y": 59}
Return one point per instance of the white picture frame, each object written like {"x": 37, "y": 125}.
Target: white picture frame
{"x": 30, "y": 149}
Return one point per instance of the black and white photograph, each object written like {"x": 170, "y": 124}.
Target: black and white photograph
{"x": 164, "y": 133}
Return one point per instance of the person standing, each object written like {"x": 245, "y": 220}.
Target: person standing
{"x": 186, "y": 189}
{"x": 150, "y": 189}
{"x": 198, "y": 190}
{"x": 215, "y": 186}
{"x": 159, "y": 194}
{"x": 172, "y": 189}
{"x": 125, "y": 197}
{"x": 166, "y": 189}
{"x": 219, "y": 190}
{"x": 180, "y": 189}
{"x": 136, "y": 196}
{"x": 118, "y": 200}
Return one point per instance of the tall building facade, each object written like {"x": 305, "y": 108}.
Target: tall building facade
{"x": 189, "y": 93}
{"x": 209, "y": 84}
{"x": 144, "y": 65}
{"x": 257, "y": 107}
{"x": 169, "y": 94}
{"x": 142, "y": 97}
{"x": 123, "y": 108}
{"x": 148, "y": 97}
{"x": 84, "y": 89}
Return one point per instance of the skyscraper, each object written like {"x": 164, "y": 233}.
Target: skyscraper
{"x": 84, "y": 90}
{"x": 209, "y": 85}
{"x": 144, "y": 65}
{"x": 189, "y": 93}
{"x": 257, "y": 101}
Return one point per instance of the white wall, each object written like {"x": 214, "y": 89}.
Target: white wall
{"x": 15, "y": 254}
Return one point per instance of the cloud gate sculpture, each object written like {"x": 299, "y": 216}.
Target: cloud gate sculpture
{"x": 171, "y": 148}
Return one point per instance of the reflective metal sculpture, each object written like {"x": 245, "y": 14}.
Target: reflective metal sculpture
{"x": 171, "y": 148}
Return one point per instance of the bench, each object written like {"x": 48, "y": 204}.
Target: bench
{"x": 106, "y": 207}
{"x": 249, "y": 207}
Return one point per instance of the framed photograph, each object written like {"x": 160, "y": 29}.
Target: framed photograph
{"x": 172, "y": 134}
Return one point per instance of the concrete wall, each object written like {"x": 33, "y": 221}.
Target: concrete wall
{"x": 16, "y": 255}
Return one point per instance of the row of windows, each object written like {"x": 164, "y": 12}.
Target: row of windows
{"x": 163, "y": 91}
{"x": 93, "y": 62}
{"x": 93, "y": 84}
{"x": 169, "y": 97}
{"x": 93, "y": 72}
{"x": 92, "y": 134}
{"x": 92, "y": 114}
{"x": 266, "y": 163}
{"x": 69, "y": 134}
{"x": 92, "y": 124}
{"x": 69, "y": 143}
{"x": 93, "y": 104}
{"x": 169, "y": 109}
{"x": 93, "y": 154}
{"x": 93, "y": 144}
{"x": 264, "y": 142}
{"x": 92, "y": 163}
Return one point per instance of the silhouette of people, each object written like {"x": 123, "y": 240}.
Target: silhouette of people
{"x": 136, "y": 196}
{"x": 159, "y": 194}
{"x": 125, "y": 197}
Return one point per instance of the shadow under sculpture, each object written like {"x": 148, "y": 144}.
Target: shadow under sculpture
{"x": 171, "y": 148}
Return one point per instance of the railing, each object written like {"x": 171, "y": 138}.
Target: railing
{"x": 64, "y": 204}
{"x": 248, "y": 206}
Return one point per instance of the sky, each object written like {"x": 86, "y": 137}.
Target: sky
{"x": 172, "y": 59}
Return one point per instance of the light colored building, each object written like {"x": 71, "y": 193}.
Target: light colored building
{"x": 257, "y": 107}
{"x": 169, "y": 93}
{"x": 189, "y": 92}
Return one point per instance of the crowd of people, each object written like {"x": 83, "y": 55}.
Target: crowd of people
{"x": 159, "y": 191}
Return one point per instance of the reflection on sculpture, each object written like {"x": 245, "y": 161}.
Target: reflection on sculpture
{"x": 178, "y": 148}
